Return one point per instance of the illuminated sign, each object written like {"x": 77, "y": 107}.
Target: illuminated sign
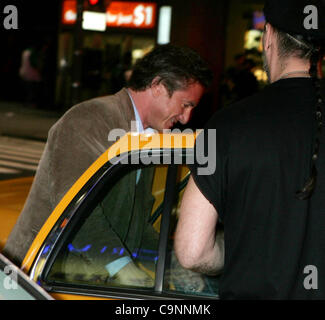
{"x": 119, "y": 14}
{"x": 258, "y": 20}
{"x": 69, "y": 12}
{"x": 95, "y": 21}
{"x": 131, "y": 14}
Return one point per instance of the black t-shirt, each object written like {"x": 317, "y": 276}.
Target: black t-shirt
{"x": 262, "y": 156}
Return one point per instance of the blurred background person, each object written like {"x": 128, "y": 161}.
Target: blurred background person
{"x": 31, "y": 75}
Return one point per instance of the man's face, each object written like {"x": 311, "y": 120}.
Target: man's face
{"x": 166, "y": 111}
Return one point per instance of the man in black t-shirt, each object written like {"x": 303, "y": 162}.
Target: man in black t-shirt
{"x": 268, "y": 186}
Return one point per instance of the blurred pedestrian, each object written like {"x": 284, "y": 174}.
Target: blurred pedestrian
{"x": 30, "y": 74}
{"x": 239, "y": 80}
{"x": 119, "y": 75}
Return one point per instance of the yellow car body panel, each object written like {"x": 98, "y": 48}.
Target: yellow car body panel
{"x": 129, "y": 142}
{"x": 64, "y": 296}
{"x": 13, "y": 194}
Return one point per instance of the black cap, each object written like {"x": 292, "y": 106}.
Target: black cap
{"x": 296, "y": 18}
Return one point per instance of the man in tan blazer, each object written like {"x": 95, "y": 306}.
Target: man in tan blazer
{"x": 163, "y": 89}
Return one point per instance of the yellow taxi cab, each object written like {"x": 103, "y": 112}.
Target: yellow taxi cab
{"x": 67, "y": 257}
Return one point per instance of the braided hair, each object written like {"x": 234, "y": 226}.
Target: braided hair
{"x": 295, "y": 39}
{"x": 313, "y": 51}
{"x": 317, "y": 53}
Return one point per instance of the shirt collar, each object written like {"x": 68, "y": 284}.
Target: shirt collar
{"x": 139, "y": 124}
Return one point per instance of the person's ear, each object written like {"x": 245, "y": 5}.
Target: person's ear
{"x": 156, "y": 87}
{"x": 268, "y": 36}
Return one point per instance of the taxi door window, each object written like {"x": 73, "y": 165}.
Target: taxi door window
{"x": 176, "y": 278}
{"x": 115, "y": 243}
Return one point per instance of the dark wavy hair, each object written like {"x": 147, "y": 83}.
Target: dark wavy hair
{"x": 312, "y": 50}
{"x": 175, "y": 67}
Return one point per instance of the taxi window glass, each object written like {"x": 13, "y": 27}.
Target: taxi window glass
{"x": 176, "y": 278}
{"x": 115, "y": 244}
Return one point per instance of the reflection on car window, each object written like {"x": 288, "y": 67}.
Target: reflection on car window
{"x": 115, "y": 243}
{"x": 178, "y": 279}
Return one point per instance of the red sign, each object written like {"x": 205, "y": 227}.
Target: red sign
{"x": 69, "y": 12}
{"x": 131, "y": 14}
{"x": 119, "y": 14}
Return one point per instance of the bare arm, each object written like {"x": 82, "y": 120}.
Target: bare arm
{"x": 196, "y": 245}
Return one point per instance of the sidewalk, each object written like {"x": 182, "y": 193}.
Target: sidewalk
{"x": 21, "y": 121}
